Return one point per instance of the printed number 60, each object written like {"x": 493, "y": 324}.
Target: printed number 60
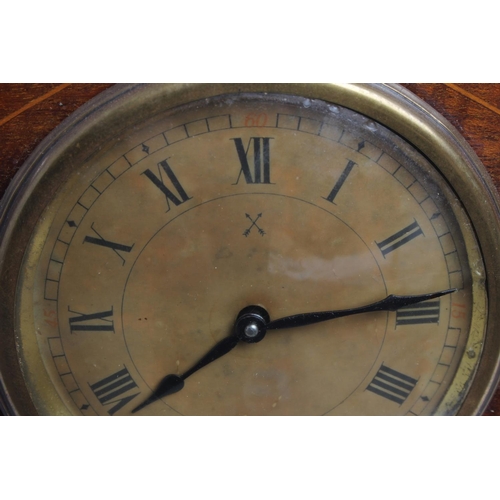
{"x": 256, "y": 120}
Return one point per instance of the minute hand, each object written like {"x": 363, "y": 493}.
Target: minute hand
{"x": 390, "y": 303}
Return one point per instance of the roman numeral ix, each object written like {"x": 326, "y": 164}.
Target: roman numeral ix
{"x": 261, "y": 171}
{"x": 95, "y": 322}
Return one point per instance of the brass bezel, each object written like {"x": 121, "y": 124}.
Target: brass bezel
{"x": 51, "y": 164}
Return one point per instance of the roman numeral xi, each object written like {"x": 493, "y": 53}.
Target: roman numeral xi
{"x": 177, "y": 195}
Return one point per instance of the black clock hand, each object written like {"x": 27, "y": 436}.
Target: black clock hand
{"x": 390, "y": 303}
{"x": 253, "y": 323}
{"x": 249, "y": 327}
{"x": 174, "y": 383}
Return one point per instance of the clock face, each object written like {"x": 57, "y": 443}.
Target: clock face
{"x": 159, "y": 235}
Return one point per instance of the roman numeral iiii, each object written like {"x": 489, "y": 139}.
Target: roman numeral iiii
{"x": 392, "y": 385}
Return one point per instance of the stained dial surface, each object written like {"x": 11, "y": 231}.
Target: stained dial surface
{"x": 286, "y": 203}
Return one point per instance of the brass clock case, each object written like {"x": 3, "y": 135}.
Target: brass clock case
{"x": 63, "y": 163}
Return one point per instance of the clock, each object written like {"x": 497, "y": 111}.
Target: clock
{"x": 250, "y": 250}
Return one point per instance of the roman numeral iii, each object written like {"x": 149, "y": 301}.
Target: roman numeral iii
{"x": 260, "y": 172}
{"x": 418, "y": 314}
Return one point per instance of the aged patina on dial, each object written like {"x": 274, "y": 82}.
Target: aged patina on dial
{"x": 178, "y": 209}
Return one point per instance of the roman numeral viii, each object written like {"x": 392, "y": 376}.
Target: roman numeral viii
{"x": 261, "y": 171}
{"x": 392, "y": 385}
{"x": 180, "y": 196}
{"x": 400, "y": 238}
{"x": 110, "y": 389}
{"x": 95, "y": 322}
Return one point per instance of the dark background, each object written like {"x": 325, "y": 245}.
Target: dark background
{"x": 28, "y": 112}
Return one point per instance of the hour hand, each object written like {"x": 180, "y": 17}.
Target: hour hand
{"x": 249, "y": 327}
{"x": 174, "y": 383}
{"x": 390, "y": 303}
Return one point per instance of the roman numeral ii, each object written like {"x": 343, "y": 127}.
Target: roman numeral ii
{"x": 400, "y": 238}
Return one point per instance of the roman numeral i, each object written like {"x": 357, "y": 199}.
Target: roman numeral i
{"x": 343, "y": 177}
